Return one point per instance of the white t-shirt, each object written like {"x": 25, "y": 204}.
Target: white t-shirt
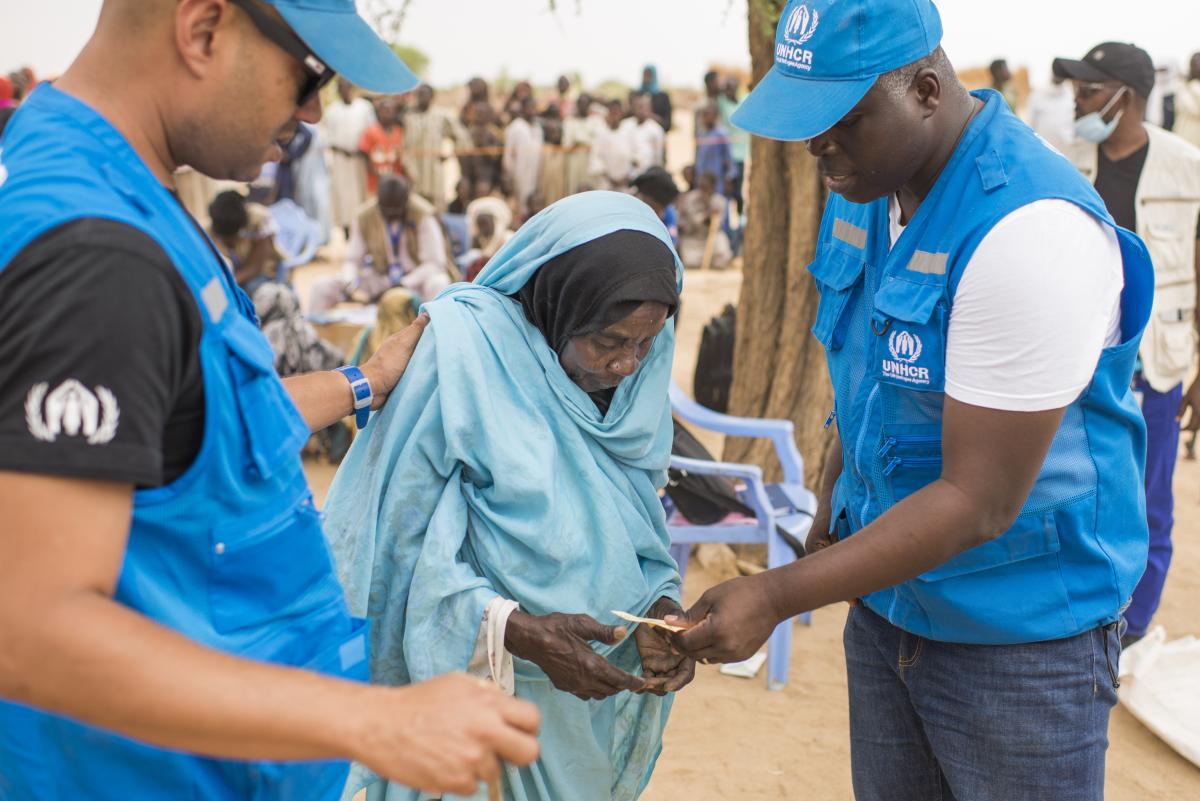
{"x": 646, "y": 142}
{"x": 1038, "y": 302}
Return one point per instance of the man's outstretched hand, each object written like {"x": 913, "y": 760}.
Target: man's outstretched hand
{"x": 385, "y": 368}
{"x": 729, "y": 623}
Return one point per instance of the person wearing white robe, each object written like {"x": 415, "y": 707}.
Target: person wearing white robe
{"x": 523, "y": 154}
{"x": 343, "y": 124}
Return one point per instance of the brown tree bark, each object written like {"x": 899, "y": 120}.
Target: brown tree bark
{"x": 779, "y": 367}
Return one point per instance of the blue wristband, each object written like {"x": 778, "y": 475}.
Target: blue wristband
{"x": 362, "y": 394}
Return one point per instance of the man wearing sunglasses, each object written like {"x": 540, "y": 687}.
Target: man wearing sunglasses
{"x": 171, "y": 623}
{"x": 1149, "y": 180}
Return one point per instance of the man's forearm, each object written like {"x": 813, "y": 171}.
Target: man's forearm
{"x": 921, "y": 532}
{"x": 88, "y": 657}
{"x": 322, "y": 398}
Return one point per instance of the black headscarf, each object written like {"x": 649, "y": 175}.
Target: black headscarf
{"x": 590, "y": 287}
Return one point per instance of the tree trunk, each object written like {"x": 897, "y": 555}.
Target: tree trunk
{"x": 779, "y": 367}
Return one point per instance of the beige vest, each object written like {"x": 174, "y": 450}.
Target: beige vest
{"x": 1167, "y": 203}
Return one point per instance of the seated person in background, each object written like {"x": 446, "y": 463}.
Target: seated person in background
{"x": 243, "y": 233}
{"x": 489, "y": 222}
{"x": 701, "y": 212}
{"x": 505, "y": 499}
{"x": 396, "y": 241}
{"x": 656, "y": 188}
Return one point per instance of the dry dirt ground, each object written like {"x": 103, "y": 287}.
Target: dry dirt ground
{"x": 732, "y": 739}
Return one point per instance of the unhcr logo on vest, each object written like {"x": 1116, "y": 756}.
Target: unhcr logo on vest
{"x": 800, "y": 26}
{"x": 906, "y": 349}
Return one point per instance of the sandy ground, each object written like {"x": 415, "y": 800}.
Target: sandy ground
{"x": 731, "y": 738}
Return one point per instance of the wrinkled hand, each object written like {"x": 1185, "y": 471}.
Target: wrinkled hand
{"x": 729, "y": 623}
{"x": 384, "y": 369}
{"x": 664, "y": 668}
{"x": 558, "y": 644}
{"x": 445, "y": 735}
{"x": 1189, "y": 409}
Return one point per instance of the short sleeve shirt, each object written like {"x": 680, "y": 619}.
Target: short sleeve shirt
{"x": 100, "y": 372}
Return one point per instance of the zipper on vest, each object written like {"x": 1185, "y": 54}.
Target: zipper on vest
{"x": 862, "y": 435}
{"x": 829, "y": 420}
{"x": 916, "y": 461}
{"x": 887, "y": 445}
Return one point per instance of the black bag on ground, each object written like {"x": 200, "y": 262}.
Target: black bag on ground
{"x": 714, "y": 363}
{"x": 703, "y": 500}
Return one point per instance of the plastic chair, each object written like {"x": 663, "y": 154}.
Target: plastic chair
{"x": 788, "y": 505}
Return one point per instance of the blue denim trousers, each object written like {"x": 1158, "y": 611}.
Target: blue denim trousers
{"x": 937, "y": 721}
{"x": 1162, "y": 452}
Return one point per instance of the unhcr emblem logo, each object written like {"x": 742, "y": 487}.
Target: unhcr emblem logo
{"x": 904, "y": 346}
{"x": 801, "y": 25}
{"x": 798, "y": 28}
{"x": 74, "y": 410}
{"x": 906, "y": 349}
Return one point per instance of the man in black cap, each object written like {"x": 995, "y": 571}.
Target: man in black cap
{"x": 1150, "y": 181}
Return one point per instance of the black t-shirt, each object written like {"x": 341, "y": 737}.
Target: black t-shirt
{"x": 99, "y": 358}
{"x": 1117, "y": 182}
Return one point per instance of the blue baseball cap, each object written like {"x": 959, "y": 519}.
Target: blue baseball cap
{"x": 828, "y": 54}
{"x": 342, "y": 39}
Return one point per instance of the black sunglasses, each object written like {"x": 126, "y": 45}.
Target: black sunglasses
{"x": 319, "y": 73}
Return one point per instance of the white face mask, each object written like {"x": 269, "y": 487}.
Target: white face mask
{"x": 1092, "y": 127}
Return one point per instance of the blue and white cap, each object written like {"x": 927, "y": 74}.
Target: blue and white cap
{"x": 343, "y": 40}
{"x": 828, "y": 54}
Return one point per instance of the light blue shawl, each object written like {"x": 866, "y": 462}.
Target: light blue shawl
{"x": 489, "y": 472}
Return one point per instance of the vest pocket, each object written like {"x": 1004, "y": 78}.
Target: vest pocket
{"x": 909, "y": 462}
{"x": 909, "y": 323}
{"x": 837, "y": 273}
{"x": 272, "y": 428}
{"x": 265, "y": 571}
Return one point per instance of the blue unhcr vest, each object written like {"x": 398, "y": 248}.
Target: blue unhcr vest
{"x": 1073, "y": 556}
{"x": 231, "y": 554}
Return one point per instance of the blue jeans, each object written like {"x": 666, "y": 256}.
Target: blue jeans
{"x": 937, "y": 721}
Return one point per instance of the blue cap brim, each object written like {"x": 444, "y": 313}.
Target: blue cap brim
{"x": 345, "y": 42}
{"x": 793, "y": 109}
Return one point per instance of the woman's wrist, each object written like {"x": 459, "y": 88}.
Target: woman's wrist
{"x": 518, "y": 633}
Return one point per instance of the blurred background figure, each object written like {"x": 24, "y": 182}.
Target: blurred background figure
{"x": 1002, "y": 82}
{"x": 611, "y": 162}
{"x": 427, "y": 129}
{"x": 1187, "y": 104}
{"x": 396, "y": 240}
{"x": 581, "y": 128}
{"x": 1052, "y": 112}
{"x": 647, "y": 138}
{"x": 523, "y": 150}
{"x": 660, "y": 101}
{"x": 703, "y": 244}
{"x": 383, "y": 142}
{"x": 345, "y": 121}
{"x": 657, "y": 189}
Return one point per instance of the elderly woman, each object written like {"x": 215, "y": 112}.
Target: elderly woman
{"x": 505, "y": 500}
